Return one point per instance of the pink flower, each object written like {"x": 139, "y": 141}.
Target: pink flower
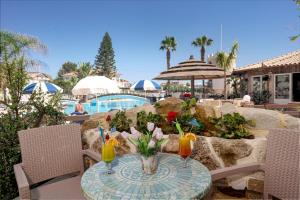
{"x": 151, "y": 144}
{"x": 150, "y": 126}
{"x": 157, "y": 133}
{"x": 125, "y": 134}
{"x": 134, "y": 133}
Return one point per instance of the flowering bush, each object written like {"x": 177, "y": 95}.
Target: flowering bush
{"x": 149, "y": 143}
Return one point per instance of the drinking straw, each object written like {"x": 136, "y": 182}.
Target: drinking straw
{"x": 101, "y": 134}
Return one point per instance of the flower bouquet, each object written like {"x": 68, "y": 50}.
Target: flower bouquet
{"x": 147, "y": 144}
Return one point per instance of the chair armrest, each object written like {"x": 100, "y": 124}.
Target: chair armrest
{"x": 228, "y": 171}
{"x": 92, "y": 154}
{"x": 22, "y": 182}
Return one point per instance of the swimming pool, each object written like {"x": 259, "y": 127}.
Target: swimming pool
{"x": 107, "y": 103}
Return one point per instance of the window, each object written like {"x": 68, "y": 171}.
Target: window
{"x": 256, "y": 84}
{"x": 282, "y": 86}
{"x": 260, "y": 83}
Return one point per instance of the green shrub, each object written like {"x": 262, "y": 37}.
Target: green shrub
{"x": 120, "y": 122}
{"x": 19, "y": 115}
{"x": 41, "y": 112}
{"x": 187, "y": 105}
{"x": 9, "y": 154}
{"x": 142, "y": 118}
{"x": 232, "y": 126}
{"x": 187, "y": 126}
{"x": 262, "y": 97}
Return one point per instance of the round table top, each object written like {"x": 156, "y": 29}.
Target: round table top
{"x": 171, "y": 181}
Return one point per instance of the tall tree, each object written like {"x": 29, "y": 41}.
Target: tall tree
{"x": 105, "y": 60}
{"x": 225, "y": 60}
{"x": 67, "y": 67}
{"x": 168, "y": 44}
{"x": 202, "y": 42}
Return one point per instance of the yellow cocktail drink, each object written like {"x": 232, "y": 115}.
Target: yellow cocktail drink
{"x": 184, "y": 147}
{"x": 108, "y": 152}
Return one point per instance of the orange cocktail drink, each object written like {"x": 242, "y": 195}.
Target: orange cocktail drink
{"x": 184, "y": 147}
{"x": 108, "y": 152}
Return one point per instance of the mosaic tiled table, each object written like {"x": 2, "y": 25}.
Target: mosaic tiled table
{"x": 171, "y": 180}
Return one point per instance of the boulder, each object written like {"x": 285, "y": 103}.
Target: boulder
{"x": 228, "y": 108}
{"x": 264, "y": 119}
{"x": 245, "y": 151}
{"x": 230, "y": 150}
{"x": 131, "y": 113}
{"x": 169, "y": 104}
{"x": 91, "y": 140}
{"x": 89, "y": 124}
{"x": 204, "y": 154}
{"x": 205, "y": 112}
{"x": 292, "y": 122}
{"x": 172, "y": 145}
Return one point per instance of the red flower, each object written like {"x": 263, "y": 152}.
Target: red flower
{"x": 171, "y": 116}
{"x": 187, "y": 94}
{"x": 106, "y": 137}
{"x": 108, "y": 118}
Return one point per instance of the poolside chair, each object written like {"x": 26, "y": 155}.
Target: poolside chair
{"x": 281, "y": 167}
{"x": 51, "y": 153}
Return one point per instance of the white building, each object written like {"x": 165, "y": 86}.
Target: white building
{"x": 218, "y": 84}
{"x": 39, "y": 76}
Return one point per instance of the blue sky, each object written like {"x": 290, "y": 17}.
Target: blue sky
{"x": 73, "y": 30}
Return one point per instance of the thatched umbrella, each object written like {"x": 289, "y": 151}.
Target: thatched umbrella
{"x": 192, "y": 69}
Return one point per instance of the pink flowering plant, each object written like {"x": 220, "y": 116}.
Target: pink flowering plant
{"x": 148, "y": 143}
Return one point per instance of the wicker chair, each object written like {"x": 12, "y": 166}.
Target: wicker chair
{"x": 48, "y": 153}
{"x": 281, "y": 169}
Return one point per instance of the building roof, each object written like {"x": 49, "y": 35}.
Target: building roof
{"x": 70, "y": 74}
{"x": 283, "y": 60}
{"x": 35, "y": 75}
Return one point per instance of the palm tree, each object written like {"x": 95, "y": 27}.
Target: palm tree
{"x": 84, "y": 70}
{"x": 225, "y": 60}
{"x": 13, "y": 45}
{"x": 168, "y": 44}
{"x": 202, "y": 42}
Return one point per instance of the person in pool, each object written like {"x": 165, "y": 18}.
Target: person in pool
{"x": 79, "y": 109}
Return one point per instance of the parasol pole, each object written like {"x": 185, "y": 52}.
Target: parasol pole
{"x": 193, "y": 86}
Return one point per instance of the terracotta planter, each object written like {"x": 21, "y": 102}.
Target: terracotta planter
{"x": 149, "y": 164}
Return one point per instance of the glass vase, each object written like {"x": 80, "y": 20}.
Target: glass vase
{"x": 149, "y": 164}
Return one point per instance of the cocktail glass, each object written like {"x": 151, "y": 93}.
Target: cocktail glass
{"x": 108, "y": 155}
{"x": 184, "y": 149}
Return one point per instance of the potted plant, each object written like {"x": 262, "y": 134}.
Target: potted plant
{"x": 148, "y": 145}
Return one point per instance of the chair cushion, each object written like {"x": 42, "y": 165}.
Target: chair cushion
{"x": 64, "y": 189}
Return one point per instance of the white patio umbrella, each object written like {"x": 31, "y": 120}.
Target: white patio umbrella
{"x": 95, "y": 85}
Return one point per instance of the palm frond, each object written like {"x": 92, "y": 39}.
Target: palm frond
{"x": 294, "y": 38}
{"x": 232, "y": 54}
{"x": 168, "y": 43}
{"x": 221, "y": 58}
{"x": 209, "y": 42}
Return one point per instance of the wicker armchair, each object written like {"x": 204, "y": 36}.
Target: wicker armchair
{"x": 282, "y": 172}
{"x": 48, "y": 153}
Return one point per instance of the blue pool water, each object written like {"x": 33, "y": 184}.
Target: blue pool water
{"x": 107, "y": 103}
